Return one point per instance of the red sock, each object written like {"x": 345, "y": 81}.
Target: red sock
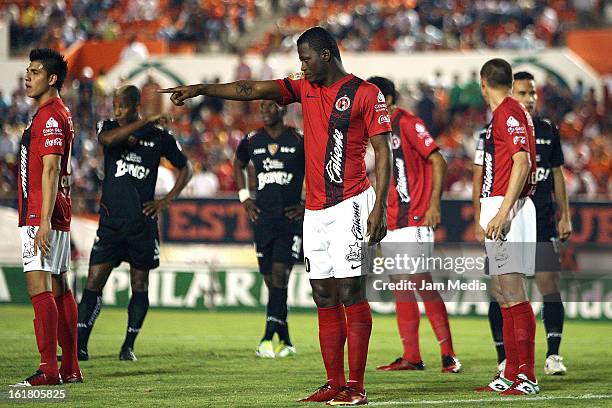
{"x": 359, "y": 323}
{"x": 438, "y": 318}
{"x": 524, "y": 329}
{"x": 510, "y": 347}
{"x": 68, "y": 316}
{"x": 45, "y": 329}
{"x": 332, "y": 336}
{"x": 408, "y": 318}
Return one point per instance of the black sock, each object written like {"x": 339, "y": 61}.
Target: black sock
{"x": 283, "y": 327}
{"x": 553, "y": 314}
{"x": 497, "y": 324}
{"x": 273, "y": 312}
{"x": 137, "y": 310}
{"x": 89, "y": 309}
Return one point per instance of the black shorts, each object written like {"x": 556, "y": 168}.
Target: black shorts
{"x": 276, "y": 241}
{"x": 119, "y": 240}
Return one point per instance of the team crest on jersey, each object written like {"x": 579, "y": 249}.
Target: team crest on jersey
{"x": 395, "y": 141}
{"x": 273, "y": 148}
{"x": 296, "y": 76}
{"x": 354, "y": 254}
{"x": 343, "y": 103}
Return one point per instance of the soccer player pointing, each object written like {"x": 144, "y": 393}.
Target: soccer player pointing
{"x": 508, "y": 218}
{"x": 44, "y": 219}
{"x": 341, "y": 114}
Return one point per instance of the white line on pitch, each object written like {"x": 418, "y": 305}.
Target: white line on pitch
{"x": 505, "y": 400}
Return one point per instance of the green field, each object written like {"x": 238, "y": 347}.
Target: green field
{"x": 207, "y": 359}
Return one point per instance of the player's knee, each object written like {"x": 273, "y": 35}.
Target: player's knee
{"x": 352, "y": 291}
{"x": 139, "y": 280}
{"x": 95, "y": 282}
{"x": 324, "y": 295}
{"x": 279, "y": 276}
{"x": 59, "y": 284}
{"x": 548, "y": 282}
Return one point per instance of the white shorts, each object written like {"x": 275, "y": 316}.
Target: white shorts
{"x": 515, "y": 253}
{"x": 410, "y": 241}
{"x": 58, "y": 259}
{"x": 333, "y": 237}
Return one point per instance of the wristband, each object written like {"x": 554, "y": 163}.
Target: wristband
{"x": 244, "y": 195}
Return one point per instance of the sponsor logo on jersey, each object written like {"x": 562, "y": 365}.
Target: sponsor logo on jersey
{"x": 487, "y": 182}
{"x": 147, "y": 143}
{"x": 541, "y": 174}
{"x": 519, "y": 140}
{"x": 379, "y": 107}
{"x": 273, "y": 177}
{"x": 52, "y": 123}
{"x": 402, "y": 181}
{"x": 54, "y": 142}
{"x": 395, "y": 141}
{"x": 133, "y": 157}
{"x": 380, "y": 97}
{"x": 273, "y": 148}
{"x": 514, "y": 126}
{"x": 356, "y": 228}
{"x": 384, "y": 119}
{"x": 23, "y": 169}
{"x": 428, "y": 141}
{"x": 135, "y": 170}
{"x": 287, "y": 149}
{"x": 272, "y": 164}
{"x": 334, "y": 165}
{"x": 261, "y": 150}
{"x": 543, "y": 141}
{"x": 343, "y": 103}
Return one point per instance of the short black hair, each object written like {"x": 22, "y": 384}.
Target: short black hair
{"x": 129, "y": 92}
{"x": 386, "y": 86}
{"x": 497, "y": 73}
{"x": 319, "y": 39}
{"x": 524, "y": 75}
{"x": 53, "y": 62}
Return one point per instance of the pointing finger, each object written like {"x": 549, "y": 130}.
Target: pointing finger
{"x": 167, "y": 90}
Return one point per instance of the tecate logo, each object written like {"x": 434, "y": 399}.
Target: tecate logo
{"x": 334, "y": 165}
{"x": 54, "y": 142}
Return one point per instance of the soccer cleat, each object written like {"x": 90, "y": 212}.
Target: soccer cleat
{"x": 82, "y": 355}
{"x": 127, "y": 355}
{"x": 523, "y": 386}
{"x": 323, "y": 394}
{"x": 451, "y": 364}
{"x": 349, "y": 396}
{"x": 265, "y": 349}
{"x": 73, "y": 378}
{"x": 499, "y": 384}
{"x": 283, "y": 350}
{"x": 37, "y": 379}
{"x": 501, "y": 367}
{"x": 554, "y": 365}
{"x": 401, "y": 364}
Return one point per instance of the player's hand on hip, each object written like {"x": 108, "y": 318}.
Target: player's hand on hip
{"x": 479, "y": 233}
{"x": 251, "y": 209}
{"x": 432, "y": 216}
{"x": 295, "y": 212}
{"x": 565, "y": 228}
{"x": 154, "y": 208}
{"x": 495, "y": 228}
{"x": 377, "y": 225}
{"x": 181, "y": 93}
{"x": 41, "y": 239}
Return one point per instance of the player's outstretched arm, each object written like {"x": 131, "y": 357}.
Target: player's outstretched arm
{"x": 122, "y": 133}
{"x": 518, "y": 177}
{"x": 155, "y": 207}
{"x": 377, "y": 221}
{"x": 50, "y": 180}
{"x": 438, "y": 166}
{"x": 477, "y": 185}
{"x": 238, "y": 91}
{"x": 565, "y": 222}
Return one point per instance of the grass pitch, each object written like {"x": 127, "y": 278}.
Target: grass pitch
{"x": 207, "y": 359}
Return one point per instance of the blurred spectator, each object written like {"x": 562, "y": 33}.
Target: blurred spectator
{"x": 134, "y": 51}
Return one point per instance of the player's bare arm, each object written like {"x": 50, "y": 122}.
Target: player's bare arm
{"x": 123, "y": 133}
{"x": 377, "y": 221}
{"x": 438, "y": 166}
{"x": 518, "y": 176}
{"x": 238, "y": 91}
{"x": 50, "y": 179}
{"x": 477, "y": 185}
{"x": 240, "y": 176}
{"x": 565, "y": 222}
{"x": 155, "y": 207}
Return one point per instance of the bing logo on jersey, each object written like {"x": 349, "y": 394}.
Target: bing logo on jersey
{"x": 343, "y": 103}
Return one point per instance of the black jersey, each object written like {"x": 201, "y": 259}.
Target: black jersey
{"x": 130, "y": 170}
{"x": 548, "y": 156}
{"x": 279, "y": 168}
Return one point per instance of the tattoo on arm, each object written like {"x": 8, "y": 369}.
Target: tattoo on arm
{"x": 243, "y": 88}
